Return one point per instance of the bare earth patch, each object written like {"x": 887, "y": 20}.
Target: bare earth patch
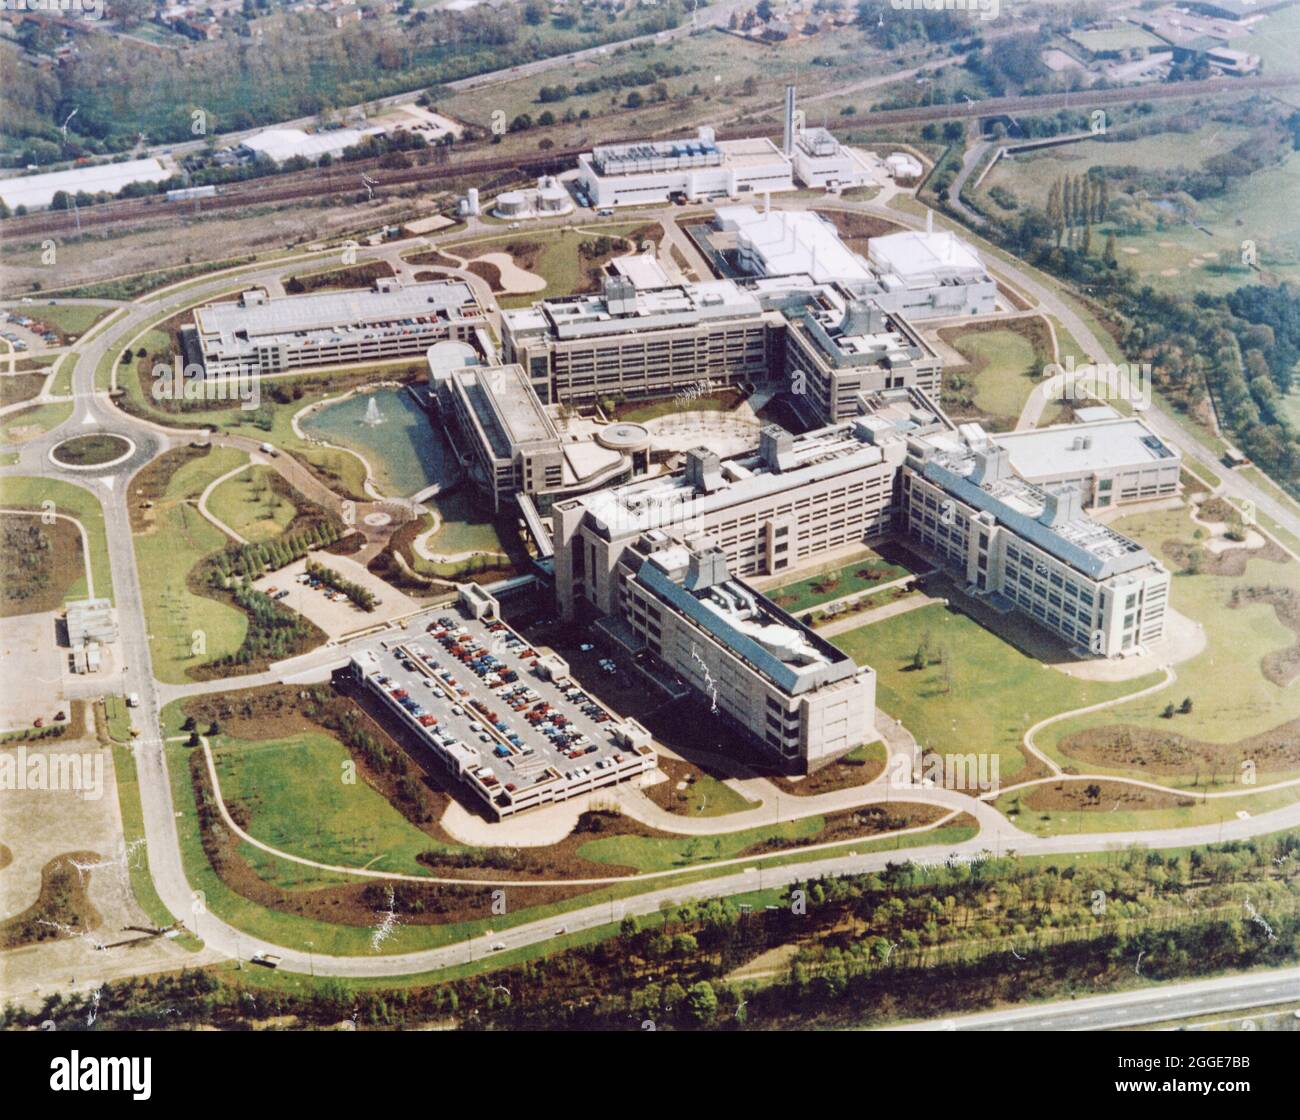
{"x": 1168, "y": 752}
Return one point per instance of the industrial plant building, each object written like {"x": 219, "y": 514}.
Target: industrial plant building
{"x": 919, "y": 274}
{"x": 258, "y": 333}
{"x": 695, "y": 170}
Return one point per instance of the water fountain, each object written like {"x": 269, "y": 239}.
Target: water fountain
{"x": 372, "y": 416}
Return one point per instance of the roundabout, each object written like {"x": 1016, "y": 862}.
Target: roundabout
{"x": 92, "y": 452}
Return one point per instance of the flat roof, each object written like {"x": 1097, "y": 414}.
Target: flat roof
{"x": 1112, "y": 444}
{"x": 506, "y": 407}
{"x": 1080, "y": 542}
{"x": 236, "y": 324}
{"x": 767, "y": 639}
{"x": 37, "y": 191}
{"x": 647, "y": 309}
{"x": 668, "y": 499}
{"x": 787, "y": 242}
{"x": 917, "y": 256}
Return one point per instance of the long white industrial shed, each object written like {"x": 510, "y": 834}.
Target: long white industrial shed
{"x": 36, "y": 192}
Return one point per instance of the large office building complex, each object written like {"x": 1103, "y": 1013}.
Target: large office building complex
{"x": 793, "y": 693}
{"x": 794, "y": 497}
{"x": 258, "y": 333}
{"x": 838, "y": 347}
{"x": 1031, "y": 548}
{"x": 631, "y": 342}
{"x": 507, "y": 441}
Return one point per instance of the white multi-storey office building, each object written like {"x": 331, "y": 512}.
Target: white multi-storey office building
{"x": 800, "y": 698}
{"x": 1031, "y": 548}
{"x": 258, "y": 333}
{"x": 795, "y": 497}
{"x": 630, "y": 342}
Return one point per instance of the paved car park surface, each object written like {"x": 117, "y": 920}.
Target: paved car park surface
{"x": 478, "y": 694}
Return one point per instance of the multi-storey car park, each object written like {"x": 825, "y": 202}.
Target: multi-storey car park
{"x": 261, "y": 334}
{"x": 1031, "y": 548}
{"x": 790, "y": 691}
{"x": 499, "y": 716}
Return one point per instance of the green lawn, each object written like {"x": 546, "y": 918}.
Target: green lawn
{"x": 656, "y": 853}
{"x": 70, "y": 499}
{"x": 72, "y": 319}
{"x": 119, "y": 718}
{"x": 298, "y": 802}
{"x": 1071, "y": 822}
{"x": 248, "y": 504}
{"x": 1231, "y": 697}
{"x": 1008, "y": 369}
{"x": 863, "y": 572}
{"x": 28, "y": 423}
{"x": 984, "y": 696}
{"x": 180, "y": 539}
{"x": 709, "y": 797}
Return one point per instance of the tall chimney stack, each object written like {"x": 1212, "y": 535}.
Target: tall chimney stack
{"x": 788, "y": 146}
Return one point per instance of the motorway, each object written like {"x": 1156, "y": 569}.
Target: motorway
{"x": 1146, "y": 1006}
{"x": 95, "y": 412}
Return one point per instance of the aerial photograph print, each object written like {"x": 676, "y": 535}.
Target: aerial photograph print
{"x": 690, "y": 516}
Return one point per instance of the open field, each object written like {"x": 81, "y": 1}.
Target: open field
{"x": 71, "y": 320}
{"x": 18, "y": 427}
{"x": 294, "y": 795}
{"x": 175, "y": 541}
{"x": 1178, "y": 257}
{"x": 984, "y": 693}
{"x": 1005, "y": 363}
{"x": 1234, "y": 700}
{"x": 250, "y": 505}
{"x": 39, "y": 564}
{"x": 30, "y": 493}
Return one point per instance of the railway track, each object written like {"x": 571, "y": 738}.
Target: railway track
{"x": 334, "y": 180}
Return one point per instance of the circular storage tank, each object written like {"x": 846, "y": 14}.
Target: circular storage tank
{"x": 512, "y": 204}
{"x": 552, "y": 199}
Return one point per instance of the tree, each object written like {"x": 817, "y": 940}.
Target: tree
{"x": 1168, "y": 713}
{"x": 1186, "y": 706}
{"x": 1108, "y": 254}
{"x": 702, "y": 1002}
{"x": 189, "y": 724}
{"x": 1092, "y": 791}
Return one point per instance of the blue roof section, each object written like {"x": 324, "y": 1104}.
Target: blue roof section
{"x": 656, "y": 580}
{"x": 1033, "y": 530}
